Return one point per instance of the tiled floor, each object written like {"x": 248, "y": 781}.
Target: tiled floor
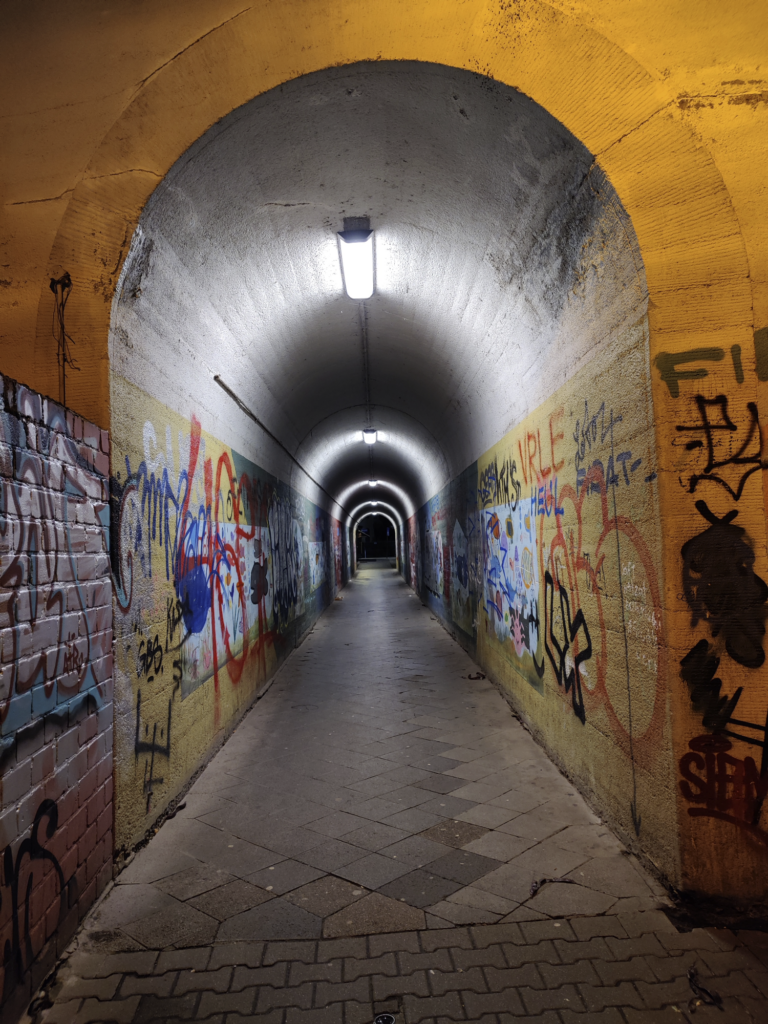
{"x": 379, "y": 798}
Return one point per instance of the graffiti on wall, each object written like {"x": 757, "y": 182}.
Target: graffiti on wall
{"x": 511, "y": 580}
{"x": 718, "y": 445}
{"x": 461, "y": 561}
{"x": 55, "y": 676}
{"x": 56, "y": 625}
{"x": 218, "y": 568}
{"x": 562, "y": 531}
{"x": 23, "y": 872}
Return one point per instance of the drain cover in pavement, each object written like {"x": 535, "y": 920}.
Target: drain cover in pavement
{"x": 384, "y": 1018}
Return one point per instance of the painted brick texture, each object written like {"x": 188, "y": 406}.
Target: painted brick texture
{"x": 55, "y": 681}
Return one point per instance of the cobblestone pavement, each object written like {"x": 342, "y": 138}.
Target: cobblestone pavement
{"x": 367, "y": 842}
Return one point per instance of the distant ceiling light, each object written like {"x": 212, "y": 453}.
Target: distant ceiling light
{"x": 372, "y": 483}
{"x": 374, "y": 503}
{"x": 356, "y": 252}
{"x": 369, "y": 436}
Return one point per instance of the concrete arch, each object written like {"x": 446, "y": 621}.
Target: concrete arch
{"x": 678, "y": 204}
{"x": 634, "y": 122}
{"x": 407, "y": 449}
{"x": 353, "y": 519}
{"x": 383, "y": 488}
{"x": 398, "y": 535}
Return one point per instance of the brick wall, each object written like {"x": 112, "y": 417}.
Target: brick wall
{"x": 55, "y": 682}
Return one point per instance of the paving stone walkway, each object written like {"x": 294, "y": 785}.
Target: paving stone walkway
{"x": 368, "y": 841}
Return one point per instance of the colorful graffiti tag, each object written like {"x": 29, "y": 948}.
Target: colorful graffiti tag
{"x": 55, "y": 678}
{"x": 218, "y": 569}
{"x": 555, "y": 538}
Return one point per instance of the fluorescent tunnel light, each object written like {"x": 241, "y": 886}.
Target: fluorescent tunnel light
{"x": 356, "y": 251}
{"x": 369, "y": 436}
{"x": 372, "y": 483}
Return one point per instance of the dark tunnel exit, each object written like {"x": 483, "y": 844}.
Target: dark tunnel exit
{"x": 375, "y": 537}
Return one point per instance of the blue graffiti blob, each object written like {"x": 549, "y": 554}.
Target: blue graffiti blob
{"x": 195, "y": 596}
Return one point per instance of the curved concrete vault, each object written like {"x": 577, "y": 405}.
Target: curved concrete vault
{"x": 570, "y": 211}
{"x": 490, "y": 220}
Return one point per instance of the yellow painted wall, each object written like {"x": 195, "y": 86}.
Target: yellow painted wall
{"x": 579, "y": 546}
{"x": 218, "y": 569}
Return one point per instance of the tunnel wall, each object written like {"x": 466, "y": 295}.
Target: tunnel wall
{"x": 219, "y": 570}
{"x": 544, "y": 560}
{"x": 55, "y": 683}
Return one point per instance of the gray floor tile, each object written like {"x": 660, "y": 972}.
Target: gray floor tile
{"x": 454, "y": 833}
{"x": 230, "y": 899}
{"x": 415, "y": 850}
{"x": 374, "y": 836}
{"x": 409, "y": 796}
{"x": 373, "y": 871}
{"x": 487, "y": 815}
{"x": 335, "y": 824}
{"x": 447, "y": 805}
{"x": 278, "y": 919}
{"x": 326, "y": 895}
{"x": 420, "y": 888}
{"x": 287, "y": 875}
{"x": 500, "y": 846}
{"x": 378, "y": 785}
{"x": 463, "y": 866}
{"x": 439, "y": 784}
{"x": 522, "y": 799}
{"x": 178, "y": 926}
{"x": 299, "y": 840}
{"x": 375, "y": 809}
{"x": 331, "y": 855}
{"x": 194, "y": 881}
{"x": 538, "y": 825}
{"x": 415, "y": 819}
{"x": 408, "y": 775}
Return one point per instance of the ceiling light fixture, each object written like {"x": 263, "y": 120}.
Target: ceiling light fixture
{"x": 369, "y": 436}
{"x": 372, "y": 483}
{"x": 374, "y": 503}
{"x": 356, "y": 252}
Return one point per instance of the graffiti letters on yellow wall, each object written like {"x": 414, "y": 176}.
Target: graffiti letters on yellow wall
{"x": 215, "y": 565}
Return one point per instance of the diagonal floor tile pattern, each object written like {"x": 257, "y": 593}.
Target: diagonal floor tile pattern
{"x": 378, "y": 795}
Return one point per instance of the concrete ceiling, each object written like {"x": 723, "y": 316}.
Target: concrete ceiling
{"x": 503, "y": 260}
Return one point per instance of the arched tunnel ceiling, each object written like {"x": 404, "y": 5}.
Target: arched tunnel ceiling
{"x": 503, "y": 258}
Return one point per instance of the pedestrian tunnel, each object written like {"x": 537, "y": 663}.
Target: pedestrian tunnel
{"x": 534, "y": 374}
{"x": 492, "y": 394}
{"x": 489, "y": 386}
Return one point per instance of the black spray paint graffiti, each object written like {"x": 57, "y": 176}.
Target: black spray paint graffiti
{"x": 722, "y": 588}
{"x": 591, "y": 432}
{"x": 498, "y": 484}
{"x": 726, "y": 444}
{"x": 591, "y": 435}
{"x": 153, "y": 748}
{"x": 558, "y": 649}
{"x": 667, "y": 364}
{"x": 698, "y": 669}
{"x": 18, "y": 953}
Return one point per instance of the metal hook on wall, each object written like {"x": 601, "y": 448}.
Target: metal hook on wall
{"x": 61, "y": 288}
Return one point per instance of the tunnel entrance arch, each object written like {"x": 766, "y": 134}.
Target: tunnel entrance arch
{"x": 640, "y": 133}
{"x": 392, "y": 514}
